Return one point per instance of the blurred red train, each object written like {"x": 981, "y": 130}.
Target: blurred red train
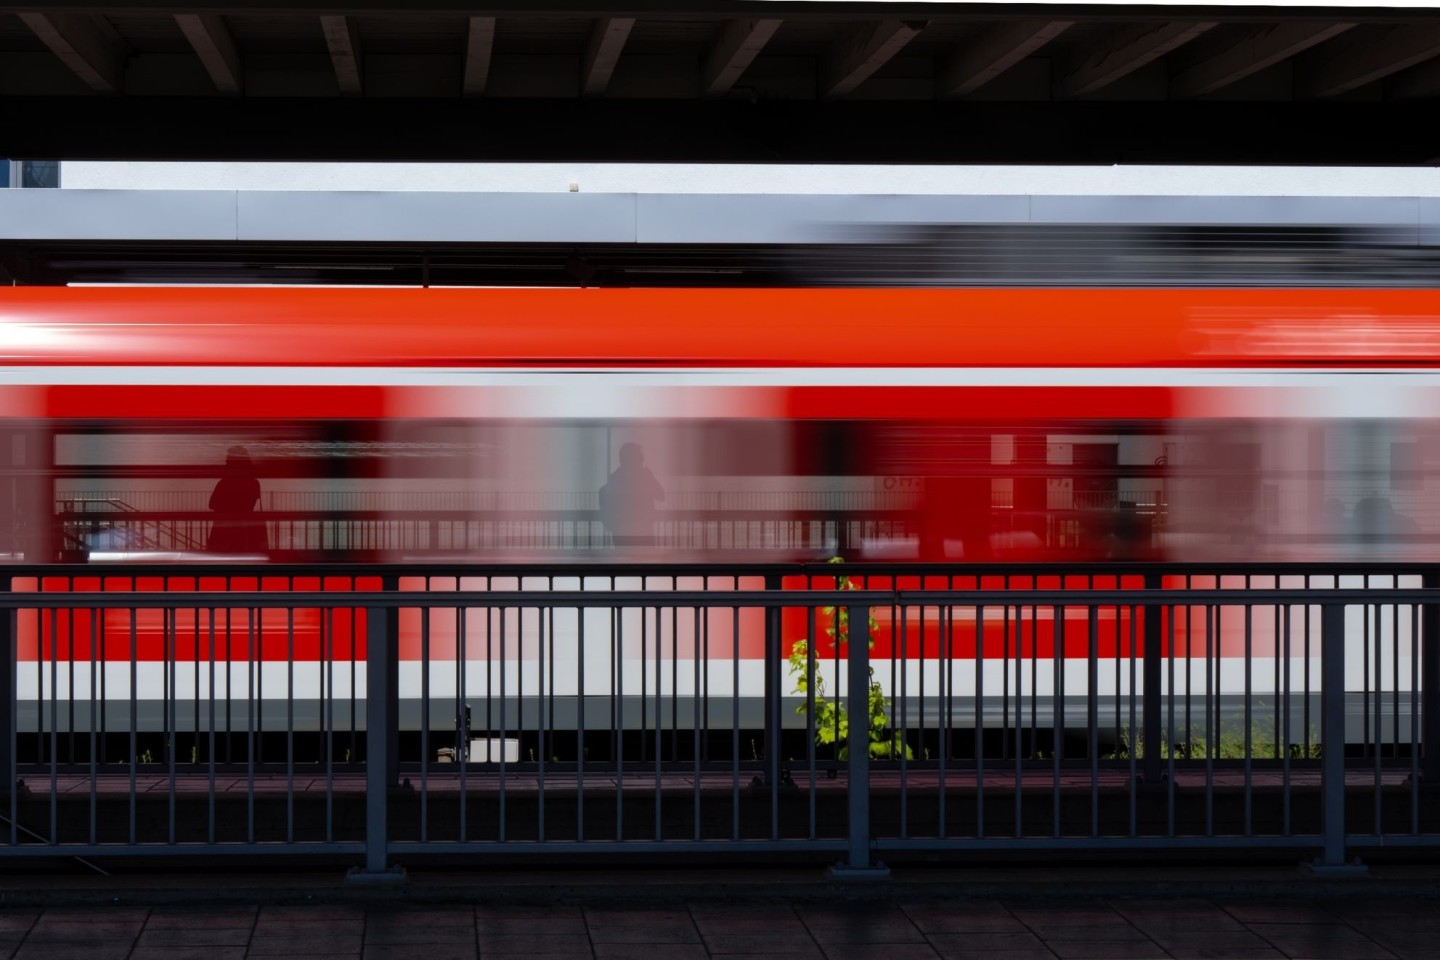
{"x": 960, "y": 425}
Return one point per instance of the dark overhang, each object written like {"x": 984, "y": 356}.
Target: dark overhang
{"x": 718, "y": 80}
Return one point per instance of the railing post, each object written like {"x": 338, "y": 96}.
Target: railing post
{"x": 858, "y": 865}
{"x": 1332, "y": 740}
{"x": 1430, "y": 685}
{"x": 1152, "y": 704}
{"x": 381, "y": 649}
{"x": 773, "y": 751}
{"x": 8, "y": 672}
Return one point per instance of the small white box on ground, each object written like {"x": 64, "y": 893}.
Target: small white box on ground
{"x": 495, "y": 750}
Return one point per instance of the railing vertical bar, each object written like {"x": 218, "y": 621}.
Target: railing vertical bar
{"x": 171, "y": 721}
{"x": 1170, "y": 744}
{"x": 210, "y": 758}
{"x": 734, "y": 723}
{"x": 12, "y": 716}
{"x": 252, "y": 707}
{"x": 1150, "y": 746}
{"x": 580, "y": 756}
{"x": 462, "y": 708}
{"x": 504, "y": 705}
{"x": 290, "y": 723}
{"x": 811, "y": 724}
{"x": 659, "y": 713}
{"x": 1057, "y": 713}
{"x": 1430, "y": 680}
{"x": 55, "y": 718}
{"x": 379, "y": 662}
{"x": 327, "y": 715}
{"x": 1092, "y": 715}
{"x": 544, "y": 706}
{"x": 896, "y": 736}
{"x": 617, "y": 709}
{"x": 425, "y": 720}
{"x": 701, "y": 696}
{"x": 1249, "y": 788}
{"x": 1019, "y": 725}
{"x": 947, "y": 624}
{"x": 1286, "y": 682}
{"x": 773, "y": 693}
{"x": 1416, "y": 625}
{"x": 1212, "y": 693}
{"x": 1151, "y": 678}
{"x": 858, "y": 787}
{"x": 95, "y": 706}
{"x": 134, "y": 722}
{"x": 1379, "y": 613}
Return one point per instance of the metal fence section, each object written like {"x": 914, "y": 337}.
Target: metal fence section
{"x": 847, "y": 713}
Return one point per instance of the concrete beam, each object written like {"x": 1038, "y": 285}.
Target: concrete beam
{"x": 733, "y": 53}
{"x": 213, "y": 44}
{"x": 1128, "y": 50}
{"x": 1378, "y": 54}
{"x": 866, "y": 50}
{"x": 1418, "y": 83}
{"x": 87, "y": 45}
{"x": 996, "y": 50}
{"x": 343, "y": 39}
{"x": 602, "y": 54}
{"x": 1221, "y": 65}
{"x": 479, "y": 47}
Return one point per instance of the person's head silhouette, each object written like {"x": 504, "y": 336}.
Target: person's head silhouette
{"x": 631, "y": 456}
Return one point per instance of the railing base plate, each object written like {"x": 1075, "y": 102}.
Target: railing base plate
{"x": 841, "y": 871}
{"x": 1336, "y": 871}
{"x": 360, "y": 877}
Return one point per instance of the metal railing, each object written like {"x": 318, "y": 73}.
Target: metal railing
{"x": 408, "y": 714}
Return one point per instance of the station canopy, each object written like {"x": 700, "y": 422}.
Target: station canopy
{"x": 719, "y": 80}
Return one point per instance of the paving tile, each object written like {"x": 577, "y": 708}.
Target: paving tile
{"x": 650, "y": 951}
{"x": 1278, "y": 911}
{"x": 317, "y": 911}
{"x": 860, "y": 930}
{"x": 535, "y": 943}
{"x": 17, "y": 921}
{"x": 530, "y": 926}
{"x": 1339, "y": 943}
{"x": 198, "y": 936}
{"x": 1064, "y": 915}
{"x": 964, "y": 953}
{"x": 645, "y": 933}
{"x": 587, "y": 955}
{"x": 335, "y": 943}
{"x": 52, "y": 927}
{"x": 879, "y": 951}
{"x": 520, "y": 911}
{"x": 758, "y": 925}
{"x": 106, "y": 914}
{"x": 1217, "y": 939}
{"x": 74, "y": 949}
{"x": 788, "y": 944}
{"x": 1120, "y": 930}
{"x": 393, "y": 931}
{"x": 1107, "y": 950}
{"x": 411, "y": 951}
{"x": 939, "y": 918}
{"x": 211, "y": 915}
{"x": 202, "y": 952}
{"x": 986, "y": 940}
{"x": 1188, "y": 952}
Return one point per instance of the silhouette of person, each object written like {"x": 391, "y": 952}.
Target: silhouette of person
{"x": 236, "y": 529}
{"x": 628, "y": 498}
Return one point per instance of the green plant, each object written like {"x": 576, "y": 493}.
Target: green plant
{"x": 832, "y": 715}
